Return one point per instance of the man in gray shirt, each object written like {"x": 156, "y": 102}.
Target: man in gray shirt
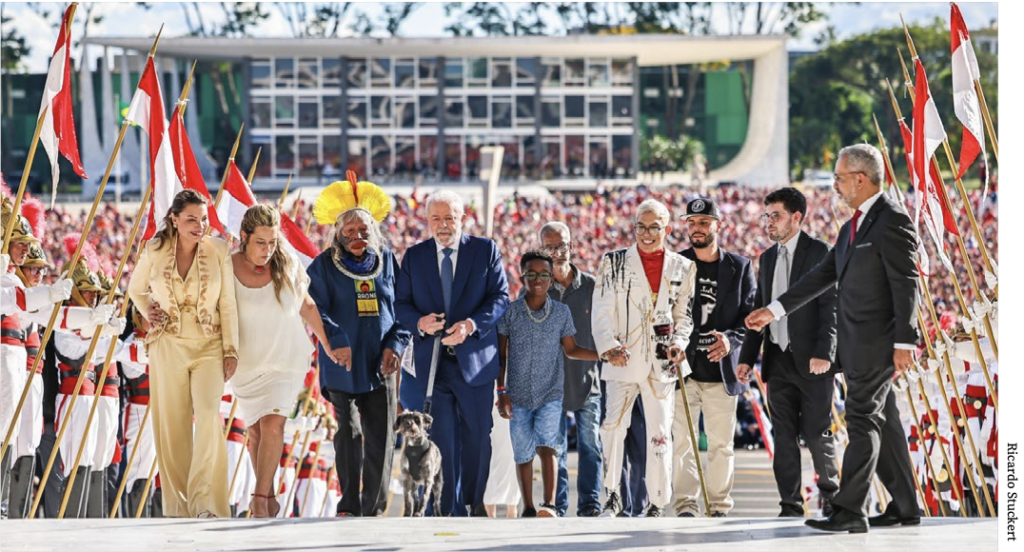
{"x": 582, "y": 395}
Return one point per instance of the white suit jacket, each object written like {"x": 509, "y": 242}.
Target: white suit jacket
{"x": 624, "y": 314}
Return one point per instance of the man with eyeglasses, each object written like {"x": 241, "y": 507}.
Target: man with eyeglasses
{"x": 798, "y": 362}
{"x": 641, "y": 322}
{"x": 582, "y": 391}
{"x": 723, "y": 298}
{"x": 873, "y": 268}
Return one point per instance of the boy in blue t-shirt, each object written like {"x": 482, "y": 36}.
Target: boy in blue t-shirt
{"x": 532, "y": 335}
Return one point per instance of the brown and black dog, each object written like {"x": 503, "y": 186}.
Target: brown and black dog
{"x": 421, "y": 463}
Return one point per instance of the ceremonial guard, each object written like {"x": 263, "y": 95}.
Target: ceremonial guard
{"x": 135, "y": 368}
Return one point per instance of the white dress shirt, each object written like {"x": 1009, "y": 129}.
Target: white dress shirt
{"x": 455, "y": 263}
{"x": 776, "y": 307}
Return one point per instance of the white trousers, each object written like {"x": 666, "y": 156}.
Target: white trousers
{"x": 12, "y": 382}
{"x": 310, "y": 506}
{"x": 30, "y": 423}
{"x": 245, "y": 481}
{"x": 287, "y": 479}
{"x": 146, "y": 456}
{"x": 104, "y": 425}
{"x": 658, "y": 404}
{"x": 72, "y": 439}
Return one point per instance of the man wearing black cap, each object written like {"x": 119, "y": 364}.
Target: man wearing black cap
{"x": 724, "y": 296}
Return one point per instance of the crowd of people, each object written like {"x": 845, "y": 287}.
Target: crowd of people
{"x": 390, "y": 337}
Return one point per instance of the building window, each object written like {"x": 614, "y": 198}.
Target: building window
{"x": 622, "y": 72}
{"x": 551, "y": 163}
{"x": 598, "y": 112}
{"x": 428, "y": 152}
{"x": 476, "y": 74}
{"x": 622, "y": 106}
{"x": 622, "y": 155}
{"x": 284, "y": 112}
{"x": 428, "y": 110}
{"x": 356, "y": 73}
{"x": 428, "y": 72}
{"x": 453, "y": 73}
{"x": 356, "y": 112}
{"x": 453, "y": 112}
{"x": 380, "y": 154}
{"x": 405, "y": 154}
{"x": 332, "y": 111}
{"x": 261, "y": 114}
{"x": 501, "y": 73}
{"x": 405, "y": 112}
{"x": 262, "y": 141}
{"x": 477, "y": 110}
{"x": 575, "y": 157}
{"x": 284, "y": 71}
{"x": 551, "y": 73}
{"x": 453, "y": 156}
{"x": 501, "y": 112}
{"x": 551, "y": 112}
{"x": 575, "y": 111}
{"x": 261, "y": 76}
{"x": 309, "y": 73}
{"x": 575, "y": 72}
{"x": 597, "y": 72}
{"x": 405, "y": 74}
{"x": 380, "y": 111}
{"x": 525, "y": 115}
{"x": 332, "y": 153}
{"x": 309, "y": 156}
{"x": 284, "y": 154}
{"x": 598, "y": 157}
{"x": 525, "y": 68}
{"x": 332, "y": 72}
{"x": 309, "y": 113}
{"x": 357, "y": 152}
{"x": 380, "y": 72}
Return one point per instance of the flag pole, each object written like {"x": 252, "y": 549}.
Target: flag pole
{"x": 56, "y": 309}
{"x": 252, "y": 169}
{"x": 924, "y": 451}
{"x": 306, "y": 407}
{"x": 131, "y": 460}
{"x": 956, "y": 283}
{"x": 284, "y": 194}
{"x": 959, "y": 183}
{"x": 224, "y": 179}
{"x": 957, "y": 490}
{"x": 987, "y": 116}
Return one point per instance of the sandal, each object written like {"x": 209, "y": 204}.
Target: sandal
{"x": 252, "y": 502}
{"x": 273, "y": 506}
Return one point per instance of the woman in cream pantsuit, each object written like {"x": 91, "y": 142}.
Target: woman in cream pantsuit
{"x": 185, "y": 286}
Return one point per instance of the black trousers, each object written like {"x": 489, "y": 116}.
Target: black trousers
{"x": 878, "y": 444}
{"x": 53, "y": 493}
{"x": 365, "y": 460}
{"x": 800, "y": 406}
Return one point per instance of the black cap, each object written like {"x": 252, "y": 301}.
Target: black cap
{"x": 702, "y": 206}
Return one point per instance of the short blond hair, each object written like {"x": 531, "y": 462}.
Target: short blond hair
{"x": 651, "y": 205}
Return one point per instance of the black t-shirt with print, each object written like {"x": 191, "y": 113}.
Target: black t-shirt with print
{"x": 704, "y": 304}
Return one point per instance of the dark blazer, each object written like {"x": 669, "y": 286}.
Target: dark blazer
{"x": 812, "y": 330}
{"x": 877, "y": 288}
{"x": 737, "y": 289}
{"x": 479, "y": 291}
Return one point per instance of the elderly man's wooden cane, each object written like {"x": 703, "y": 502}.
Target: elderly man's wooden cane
{"x": 696, "y": 449}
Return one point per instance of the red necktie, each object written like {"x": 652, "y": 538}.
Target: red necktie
{"x": 853, "y": 225}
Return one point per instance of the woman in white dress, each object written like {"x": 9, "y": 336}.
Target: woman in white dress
{"x": 275, "y": 349}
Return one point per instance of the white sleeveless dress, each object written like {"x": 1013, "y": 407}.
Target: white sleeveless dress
{"x": 273, "y": 348}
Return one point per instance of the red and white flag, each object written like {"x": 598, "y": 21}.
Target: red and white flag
{"x": 58, "y": 130}
{"x": 965, "y": 97}
{"x": 930, "y": 206}
{"x": 234, "y": 201}
{"x": 166, "y": 170}
{"x": 296, "y": 242}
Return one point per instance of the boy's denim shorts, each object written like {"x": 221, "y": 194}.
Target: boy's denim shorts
{"x": 535, "y": 427}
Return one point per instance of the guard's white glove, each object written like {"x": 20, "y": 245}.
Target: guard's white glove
{"x": 101, "y": 315}
{"x": 114, "y": 327}
{"x": 60, "y": 290}
{"x": 5, "y": 263}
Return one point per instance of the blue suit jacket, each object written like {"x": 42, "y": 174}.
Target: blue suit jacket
{"x": 737, "y": 289}
{"x": 479, "y": 292}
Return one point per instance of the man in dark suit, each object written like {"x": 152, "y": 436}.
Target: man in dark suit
{"x": 873, "y": 264}
{"x": 455, "y": 283}
{"x": 724, "y": 296}
{"x": 799, "y": 355}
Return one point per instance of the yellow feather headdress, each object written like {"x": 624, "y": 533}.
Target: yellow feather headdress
{"x": 346, "y": 195}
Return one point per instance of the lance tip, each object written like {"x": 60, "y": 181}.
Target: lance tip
{"x": 152, "y": 51}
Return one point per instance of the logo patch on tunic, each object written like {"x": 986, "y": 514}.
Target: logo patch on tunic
{"x": 366, "y": 298}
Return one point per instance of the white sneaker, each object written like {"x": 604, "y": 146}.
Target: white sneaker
{"x": 206, "y": 514}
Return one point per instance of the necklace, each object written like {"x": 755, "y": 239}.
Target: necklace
{"x": 547, "y": 312}
{"x": 258, "y": 269}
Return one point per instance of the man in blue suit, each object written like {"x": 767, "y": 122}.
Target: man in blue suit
{"x": 455, "y": 283}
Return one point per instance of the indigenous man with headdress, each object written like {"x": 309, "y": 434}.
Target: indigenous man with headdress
{"x": 353, "y": 284}
{"x": 70, "y": 351}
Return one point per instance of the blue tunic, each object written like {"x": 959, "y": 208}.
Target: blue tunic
{"x": 335, "y": 295}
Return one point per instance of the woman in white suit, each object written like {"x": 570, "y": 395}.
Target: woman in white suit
{"x": 641, "y": 323}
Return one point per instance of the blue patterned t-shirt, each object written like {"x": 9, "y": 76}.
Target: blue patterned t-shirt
{"x": 534, "y": 373}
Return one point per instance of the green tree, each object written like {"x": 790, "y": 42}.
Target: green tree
{"x": 833, "y": 93}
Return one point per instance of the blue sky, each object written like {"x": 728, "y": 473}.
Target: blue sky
{"x": 126, "y": 19}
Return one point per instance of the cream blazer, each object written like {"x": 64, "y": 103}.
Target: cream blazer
{"x": 151, "y": 282}
{"x": 624, "y": 314}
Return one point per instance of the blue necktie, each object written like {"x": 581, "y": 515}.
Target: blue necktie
{"x": 447, "y": 277}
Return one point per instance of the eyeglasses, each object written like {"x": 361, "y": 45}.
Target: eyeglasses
{"x": 641, "y": 230}
{"x": 544, "y": 276}
{"x": 559, "y": 249}
{"x": 837, "y": 176}
{"x": 774, "y": 217}
{"x": 34, "y": 270}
